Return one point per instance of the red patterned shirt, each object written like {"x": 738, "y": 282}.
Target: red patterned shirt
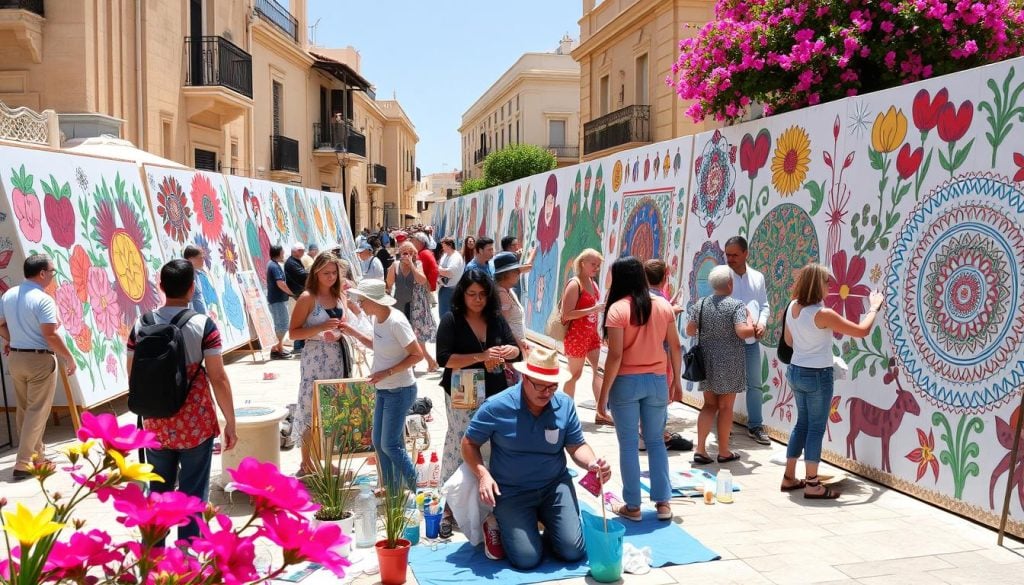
{"x": 197, "y": 419}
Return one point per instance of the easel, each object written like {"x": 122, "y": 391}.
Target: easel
{"x": 7, "y": 411}
{"x": 250, "y": 349}
{"x": 1013, "y": 464}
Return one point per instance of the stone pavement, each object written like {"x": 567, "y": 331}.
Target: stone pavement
{"x": 872, "y": 534}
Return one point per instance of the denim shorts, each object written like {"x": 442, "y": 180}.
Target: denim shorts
{"x": 279, "y": 313}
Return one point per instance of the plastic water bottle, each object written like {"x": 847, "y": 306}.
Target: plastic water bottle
{"x": 366, "y": 518}
{"x": 724, "y": 486}
{"x": 435, "y": 470}
{"x": 422, "y": 471}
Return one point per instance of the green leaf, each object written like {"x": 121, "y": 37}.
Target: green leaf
{"x": 876, "y": 338}
{"x": 858, "y": 367}
{"x": 943, "y": 162}
{"x": 766, "y": 398}
{"x": 876, "y": 159}
{"x": 901, "y": 193}
{"x": 764, "y": 368}
{"x": 835, "y": 350}
{"x": 961, "y": 155}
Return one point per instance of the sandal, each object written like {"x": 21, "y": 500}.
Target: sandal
{"x": 664, "y": 510}
{"x": 702, "y": 459}
{"x": 628, "y": 512}
{"x": 729, "y": 459}
{"x": 799, "y": 485}
{"x": 600, "y": 420}
{"x": 828, "y": 494}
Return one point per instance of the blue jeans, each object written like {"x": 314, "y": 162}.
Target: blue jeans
{"x": 389, "y": 434}
{"x": 640, "y": 401}
{"x": 755, "y": 398}
{"x": 556, "y": 507}
{"x": 444, "y": 300}
{"x": 812, "y": 388}
{"x": 188, "y": 471}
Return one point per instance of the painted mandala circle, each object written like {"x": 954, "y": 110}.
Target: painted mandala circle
{"x": 643, "y": 232}
{"x": 956, "y": 314}
{"x": 783, "y": 243}
{"x": 617, "y": 176}
{"x": 709, "y": 256}
{"x": 715, "y": 174}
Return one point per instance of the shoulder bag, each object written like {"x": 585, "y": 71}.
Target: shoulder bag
{"x": 785, "y": 351}
{"x": 693, "y": 359}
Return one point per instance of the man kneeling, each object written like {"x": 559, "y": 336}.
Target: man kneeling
{"x": 531, "y": 426}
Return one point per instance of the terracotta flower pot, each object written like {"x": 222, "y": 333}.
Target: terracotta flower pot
{"x": 393, "y": 561}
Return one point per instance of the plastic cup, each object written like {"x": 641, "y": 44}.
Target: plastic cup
{"x": 432, "y": 523}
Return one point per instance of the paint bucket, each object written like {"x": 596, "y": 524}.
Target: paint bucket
{"x": 604, "y": 549}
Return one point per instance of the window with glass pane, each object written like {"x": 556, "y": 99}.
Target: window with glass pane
{"x": 556, "y": 132}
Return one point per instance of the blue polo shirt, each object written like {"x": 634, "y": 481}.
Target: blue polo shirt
{"x": 24, "y": 308}
{"x": 527, "y": 452}
{"x": 486, "y": 267}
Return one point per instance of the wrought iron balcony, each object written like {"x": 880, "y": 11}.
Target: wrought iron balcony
{"x": 278, "y": 16}
{"x": 34, "y": 6}
{"x": 562, "y": 151}
{"x": 284, "y": 154}
{"x": 630, "y": 124}
{"x": 339, "y": 137}
{"x": 377, "y": 174}
{"x": 217, "y": 61}
{"x": 480, "y": 154}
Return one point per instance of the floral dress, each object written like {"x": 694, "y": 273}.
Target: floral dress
{"x": 581, "y": 335}
{"x": 722, "y": 349}
{"x": 321, "y": 360}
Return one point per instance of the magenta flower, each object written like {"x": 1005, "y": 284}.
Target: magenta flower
{"x": 232, "y": 555}
{"x": 70, "y": 560}
{"x": 157, "y": 513}
{"x": 301, "y": 542}
{"x": 175, "y": 564}
{"x": 114, "y": 436}
{"x": 269, "y": 489}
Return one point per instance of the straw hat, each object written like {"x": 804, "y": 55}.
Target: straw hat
{"x": 374, "y": 290}
{"x": 542, "y": 364}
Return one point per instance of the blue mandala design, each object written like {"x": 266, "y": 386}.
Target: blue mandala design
{"x": 643, "y": 233}
{"x": 956, "y": 311}
{"x": 235, "y": 314}
{"x": 715, "y": 171}
{"x": 709, "y": 256}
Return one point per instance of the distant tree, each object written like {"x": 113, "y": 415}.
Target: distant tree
{"x": 472, "y": 185}
{"x": 515, "y": 162}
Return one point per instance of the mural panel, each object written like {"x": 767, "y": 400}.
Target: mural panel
{"x": 263, "y": 217}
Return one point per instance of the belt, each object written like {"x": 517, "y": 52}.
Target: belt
{"x": 32, "y": 350}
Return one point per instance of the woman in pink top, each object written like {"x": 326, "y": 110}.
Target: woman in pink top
{"x": 637, "y": 327}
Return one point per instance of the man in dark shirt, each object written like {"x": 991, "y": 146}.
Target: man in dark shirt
{"x": 295, "y": 275}
{"x": 277, "y": 298}
{"x": 382, "y": 254}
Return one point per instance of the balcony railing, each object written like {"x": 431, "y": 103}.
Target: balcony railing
{"x": 284, "y": 154}
{"x": 218, "y": 61}
{"x": 339, "y": 137}
{"x": 562, "y": 151}
{"x": 480, "y": 154}
{"x": 630, "y": 124}
{"x": 377, "y": 174}
{"x": 34, "y": 6}
{"x": 278, "y": 16}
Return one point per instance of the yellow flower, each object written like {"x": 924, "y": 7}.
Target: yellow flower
{"x": 133, "y": 471}
{"x": 28, "y": 528}
{"x": 889, "y": 130}
{"x": 791, "y": 161}
{"x": 78, "y": 450}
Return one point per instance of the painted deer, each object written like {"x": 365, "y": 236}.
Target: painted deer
{"x": 877, "y": 422}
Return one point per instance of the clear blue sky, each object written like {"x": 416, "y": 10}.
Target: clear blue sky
{"x": 441, "y": 55}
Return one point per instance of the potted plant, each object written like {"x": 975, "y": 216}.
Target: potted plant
{"x": 393, "y": 549}
{"x": 332, "y": 484}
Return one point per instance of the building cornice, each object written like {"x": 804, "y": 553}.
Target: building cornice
{"x": 625, "y": 21}
{"x": 269, "y": 36}
{"x": 481, "y": 109}
{"x": 511, "y": 76}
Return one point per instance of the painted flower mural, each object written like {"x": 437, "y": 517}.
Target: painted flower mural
{"x": 791, "y": 161}
{"x": 26, "y": 205}
{"x": 715, "y": 174}
{"x": 104, "y": 303}
{"x": 846, "y": 294}
{"x": 207, "y": 205}
{"x": 60, "y": 213}
{"x": 889, "y": 130}
{"x": 69, "y": 308}
{"x": 172, "y": 208}
{"x": 924, "y": 455}
{"x": 279, "y": 216}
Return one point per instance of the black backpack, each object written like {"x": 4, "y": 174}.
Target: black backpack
{"x": 159, "y": 382}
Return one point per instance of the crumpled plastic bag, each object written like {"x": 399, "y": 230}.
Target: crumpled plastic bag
{"x": 462, "y": 494}
{"x": 636, "y": 561}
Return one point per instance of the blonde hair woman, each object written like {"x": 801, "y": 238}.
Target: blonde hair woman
{"x": 580, "y": 308}
{"x": 809, "y": 331}
{"x": 409, "y": 283}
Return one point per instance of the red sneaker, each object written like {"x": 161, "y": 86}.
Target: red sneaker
{"x": 492, "y": 539}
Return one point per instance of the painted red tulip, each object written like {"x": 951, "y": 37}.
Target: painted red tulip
{"x": 926, "y": 110}
{"x": 954, "y": 122}
{"x": 908, "y": 161}
{"x": 754, "y": 152}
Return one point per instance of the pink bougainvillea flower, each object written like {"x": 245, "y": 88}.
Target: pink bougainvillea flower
{"x": 70, "y": 308}
{"x": 124, "y": 438}
{"x": 924, "y": 455}
{"x": 233, "y": 555}
{"x": 103, "y": 301}
{"x": 301, "y": 542}
{"x": 84, "y": 550}
{"x": 269, "y": 489}
{"x": 157, "y": 513}
{"x": 845, "y": 293}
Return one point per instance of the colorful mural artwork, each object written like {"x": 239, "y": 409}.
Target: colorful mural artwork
{"x": 194, "y": 208}
{"x": 584, "y": 220}
{"x": 263, "y": 216}
{"x": 916, "y": 191}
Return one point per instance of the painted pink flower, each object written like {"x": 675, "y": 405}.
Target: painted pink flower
{"x": 269, "y": 489}
{"x": 103, "y": 300}
{"x": 845, "y": 293}
{"x": 157, "y": 513}
{"x": 301, "y": 542}
{"x": 233, "y": 555}
{"x": 112, "y": 365}
{"x": 84, "y": 550}
{"x": 70, "y": 309}
{"x": 123, "y": 438}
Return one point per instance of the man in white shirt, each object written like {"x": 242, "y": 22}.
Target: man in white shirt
{"x": 748, "y": 286}
{"x": 370, "y": 264}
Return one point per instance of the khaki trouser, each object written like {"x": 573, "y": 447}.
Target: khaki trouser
{"x": 35, "y": 382}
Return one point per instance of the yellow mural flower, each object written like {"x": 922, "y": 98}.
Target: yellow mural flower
{"x": 791, "y": 161}
{"x": 29, "y": 528}
{"x": 889, "y": 130}
{"x": 129, "y": 265}
{"x": 133, "y": 471}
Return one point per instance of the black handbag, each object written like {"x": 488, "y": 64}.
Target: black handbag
{"x": 693, "y": 359}
{"x": 784, "y": 351}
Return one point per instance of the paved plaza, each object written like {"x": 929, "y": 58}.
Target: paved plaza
{"x": 872, "y": 534}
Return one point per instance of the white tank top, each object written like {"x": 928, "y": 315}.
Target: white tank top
{"x": 812, "y": 347}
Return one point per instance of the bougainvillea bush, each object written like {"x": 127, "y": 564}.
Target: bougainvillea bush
{"x": 788, "y": 54}
{"x": 36, "y": 551}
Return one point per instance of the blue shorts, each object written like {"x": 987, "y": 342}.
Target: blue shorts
{"x": 279, "y": 313}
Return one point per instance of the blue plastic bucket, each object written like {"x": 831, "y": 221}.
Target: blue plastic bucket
{"x": 604, "y": 549}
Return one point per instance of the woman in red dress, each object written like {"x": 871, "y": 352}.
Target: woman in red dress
{"x": 580, "y": 308}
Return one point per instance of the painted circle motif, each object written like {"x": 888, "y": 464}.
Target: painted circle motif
{"x": 128, "y": 264}
{"x": 956, "y": 316}
{"x": 617, "y": 176}
{"x": 615, "y": 212}
{"x": 709, "y": 256}
{"x": 715, "y": 173}
{"x": 784, "y": 242}
{"x": 643, "y": 232}
{"x": 680, "y": 204}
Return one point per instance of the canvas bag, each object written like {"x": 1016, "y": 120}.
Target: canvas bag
{"x": 556, "y": 326}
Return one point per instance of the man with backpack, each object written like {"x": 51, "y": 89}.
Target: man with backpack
{"x": 174, "y": 354}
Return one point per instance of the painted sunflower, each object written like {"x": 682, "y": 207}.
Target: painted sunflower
{"x": 172, "y": 207}
{"x": 208, "y": 213}
{"x": 791, "y": 161}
